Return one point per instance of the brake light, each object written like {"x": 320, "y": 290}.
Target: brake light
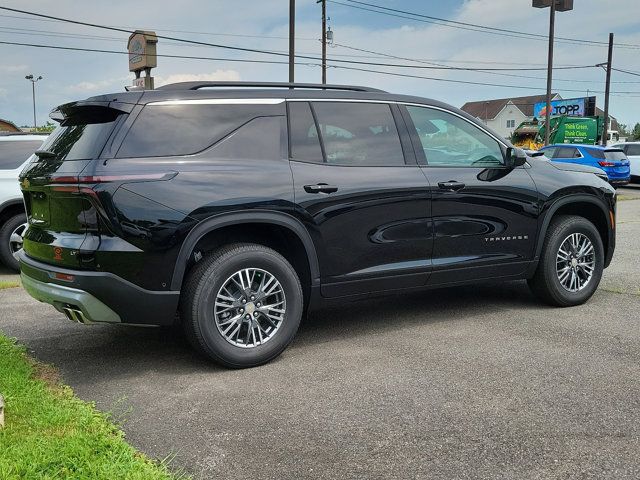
{"x": 90, "y": 179}
{"x": 604, "y": 163}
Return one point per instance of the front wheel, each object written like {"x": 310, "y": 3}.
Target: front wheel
{"x": 242, "y": 305}
{"x": 571, "y": 263}
{"x": 11, "y": 233}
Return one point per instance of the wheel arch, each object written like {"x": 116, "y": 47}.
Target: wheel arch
{"x": 225, "y": 221}
{"x": 10, "y": 208}
{"x": 586, "y": 206}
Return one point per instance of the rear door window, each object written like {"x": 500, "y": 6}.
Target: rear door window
{"x": 633, "y": 150}
{"x": 566, "y": 152}
{"x": 614, "y": 155}
{"x": 182, "y": 129}
{"x": 359, "y": 134}
{"x": 14, "y": 153}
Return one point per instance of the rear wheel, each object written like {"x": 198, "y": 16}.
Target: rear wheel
{"x": 242, "y": 305}
{"x": 11, "y": 233}
{"x": 571, "y": 263}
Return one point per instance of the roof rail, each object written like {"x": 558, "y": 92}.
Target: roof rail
{"x": 214, "y": 84}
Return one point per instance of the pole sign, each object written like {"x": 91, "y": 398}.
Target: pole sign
{"x": 573, "y": 107}
{"x": 142, "y": 56}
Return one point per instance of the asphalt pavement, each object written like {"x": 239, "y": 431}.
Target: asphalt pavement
{"x": 469, "y": 382}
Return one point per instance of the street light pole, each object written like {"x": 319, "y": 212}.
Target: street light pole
{"x": 547, "y": 115}
{"x": 33, "y": 81}
{"x": 560, "y": 6}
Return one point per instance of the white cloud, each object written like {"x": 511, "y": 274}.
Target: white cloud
{"x": 96, "y": 86}
{"x": 220, "y": 75}
{"x": 13, "y": 68}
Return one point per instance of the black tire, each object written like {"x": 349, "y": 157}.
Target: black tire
{"x": 545, "y": 284}
{"x": 198, "y": 299}
{"x": 6, "y": 253}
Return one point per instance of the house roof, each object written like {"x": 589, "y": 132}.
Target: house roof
{"x": 613, "y": 124}
{"x": 6, "y": 125}
{"x": 489, "y": 109}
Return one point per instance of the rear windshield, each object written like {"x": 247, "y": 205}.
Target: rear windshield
{"x": 82, "y": 135}
{"x": 15, "y": 153}
{"x": 607, "y": 154}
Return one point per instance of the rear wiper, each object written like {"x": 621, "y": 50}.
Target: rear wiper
{"x": 45, "y": 153}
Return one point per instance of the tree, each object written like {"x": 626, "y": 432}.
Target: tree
{"x": 635, "y": 134}
{"x": 47, "y": 128}
{"x": 623, "y": 130}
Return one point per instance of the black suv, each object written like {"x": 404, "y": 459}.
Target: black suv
{"x": 233, "y": 210}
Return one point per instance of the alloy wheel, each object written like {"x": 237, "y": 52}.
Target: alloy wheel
{"x": 250, "y": 307}
{"x": 16, "y": 239}
{"x": 575, "y": 262}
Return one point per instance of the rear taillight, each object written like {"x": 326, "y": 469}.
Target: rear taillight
{"x": 604, "y": 163}
{"x": 91, "y": 179}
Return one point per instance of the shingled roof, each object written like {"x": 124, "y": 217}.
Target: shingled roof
{"x": 489, "y": 109}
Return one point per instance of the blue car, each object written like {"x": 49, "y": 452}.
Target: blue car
{"x": 612, "y": 161}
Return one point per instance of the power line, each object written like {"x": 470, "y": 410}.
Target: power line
{"x": 466, "y": 82}
{"x": 270, "y": 52}
{"x": 343, "y": 67}
{"x": 626, "y": 71}
{"x": 217, "y": 34}
{"x": 470, "y": 26}
{"x": 478, "y": 70}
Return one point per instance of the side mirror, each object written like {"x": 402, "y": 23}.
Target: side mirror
{"x": 516, "y": 157}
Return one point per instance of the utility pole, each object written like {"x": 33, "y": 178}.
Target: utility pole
{"x": 292, "y": 41}
{"x": 605, "y": 130}
{"x": 561, "y": 6}
{"x": 33, "y": 81}
{"x": 324, "y": 40}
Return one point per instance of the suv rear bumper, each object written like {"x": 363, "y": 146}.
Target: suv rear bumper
{"x": 88, "y": 297}
{"x": 77, "y": 305}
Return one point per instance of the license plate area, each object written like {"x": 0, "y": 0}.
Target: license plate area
{"x": 39, "y": 210}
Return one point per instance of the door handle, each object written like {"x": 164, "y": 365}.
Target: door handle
{"x": 320, "y": 188}
{"x": 451, "y": 185}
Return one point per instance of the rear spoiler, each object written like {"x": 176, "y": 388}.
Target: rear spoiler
{"x": 91, "y": 108}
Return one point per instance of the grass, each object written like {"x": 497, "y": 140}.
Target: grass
{"x": 51, "y": 434}
{"x": 4, "y": 284}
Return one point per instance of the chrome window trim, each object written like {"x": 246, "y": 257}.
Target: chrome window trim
{"x": 221, "y": 101}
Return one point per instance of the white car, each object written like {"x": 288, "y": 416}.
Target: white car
{"x": 632, "y": 151}
{"x": 15, "y": 151}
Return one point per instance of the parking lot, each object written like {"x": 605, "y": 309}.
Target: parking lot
{"x": 469, "y": 382}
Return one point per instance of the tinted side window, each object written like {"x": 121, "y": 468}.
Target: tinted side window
{"x": 614, "y": 155}
{"x": 182, "y": 129}
{"x": 15, "y": 153}
{"x": 303, "y": 133}
{"x": 359, "y": 133}
{"x": 633, "y": 149}
{"x": 596, "y": 153}
{"x": 259, "y": 139}
{"x": 565, "y": 152}
{"x": 448, "y": 140}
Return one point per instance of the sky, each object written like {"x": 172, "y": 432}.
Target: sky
{"x": 263, "y": 24}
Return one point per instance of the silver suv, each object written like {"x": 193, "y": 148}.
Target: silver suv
{"x": 15, "y": 150}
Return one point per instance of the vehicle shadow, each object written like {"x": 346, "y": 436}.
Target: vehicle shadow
{"x": 392, "y": 312}
{"x": 87, "y": 354}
